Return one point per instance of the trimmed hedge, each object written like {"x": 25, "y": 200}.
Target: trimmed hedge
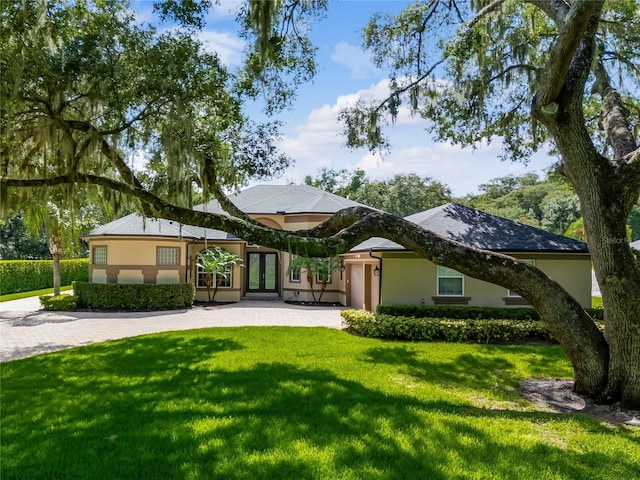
{"x": 466, "y": 313}
{"x": 367, "y": 324}
{"x": 27, "y": 275}
{"x": 134, "y": 297}
{"x": 59, "y": 302}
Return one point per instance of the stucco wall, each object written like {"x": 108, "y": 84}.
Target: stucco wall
{"x": 134, "y": 260}
{"x": 408, "y": 279}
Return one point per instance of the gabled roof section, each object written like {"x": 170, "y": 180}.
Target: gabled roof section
{"x": 283, "y": 199}
{"x": 482, "y": 230}
{"x": 135, "y": 225}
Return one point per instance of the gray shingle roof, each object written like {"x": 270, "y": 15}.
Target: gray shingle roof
{"x": 482, "y": 230}
{"x": 289, "y": 199}
{"x": 136, "y": 225}
{"x": 261, "y": 199}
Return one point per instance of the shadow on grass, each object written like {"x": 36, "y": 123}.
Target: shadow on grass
{"x": 486, "y": 368}
{"x": 177, "y": 407}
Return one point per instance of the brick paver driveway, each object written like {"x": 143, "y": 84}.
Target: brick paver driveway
{"x": 25, "y": 331}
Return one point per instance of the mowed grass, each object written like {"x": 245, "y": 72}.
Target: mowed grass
{"x": 297, "y": 403}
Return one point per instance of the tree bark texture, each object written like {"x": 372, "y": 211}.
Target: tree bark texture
{"x": 607, "y": 191}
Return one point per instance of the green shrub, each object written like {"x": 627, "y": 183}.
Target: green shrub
{"x": 59, "y": 302}
{"x": 28, "y": 275}
{"x": 138, "y": 297}
{"x": 465, "y": 313}
{"x": 490, "y": 330}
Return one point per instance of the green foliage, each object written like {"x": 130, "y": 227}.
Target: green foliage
{"x": 558, "y": 212}
{"x": 17, "y": 244}
{"x": 216, "y": 263}
{"x": 633, "y": 222}
{"x": 457, "y": 312}
{"x": 90, "y": 88}
{"x": 478, "y": 329}
{"x": 465, "y": 312}
{"x": 401, "y": 195}
{"x": 28, "y": 275}
{"x": 59, "y": 302}
{"x": 549, "y": 203}
{"x": 142, "y": 297}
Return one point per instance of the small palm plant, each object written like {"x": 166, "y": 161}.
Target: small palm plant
{"x": 216, "y": 264}
{"x": 321, "y": 267}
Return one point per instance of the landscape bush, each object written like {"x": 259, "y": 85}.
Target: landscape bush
{"x": 59, "y": 302}
{"x": 466, "y": 313}
{"x": 27, "y": 275}
{"x": 134, "y": 297}
{"x": 486, "y": 330}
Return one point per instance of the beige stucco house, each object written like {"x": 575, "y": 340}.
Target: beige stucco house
{"x": 137, "y": 250}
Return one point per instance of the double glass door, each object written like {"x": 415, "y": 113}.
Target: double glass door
{"x": 262, "y": 272}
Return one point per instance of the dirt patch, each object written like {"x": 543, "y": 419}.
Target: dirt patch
{"x": 558, "y": 396}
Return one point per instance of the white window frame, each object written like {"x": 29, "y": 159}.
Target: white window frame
{"x": 319, "y": 276}
{"x": 512, "y": 294}
{"x": 227, "y": 281}
{"x": 295, "y": 275}
{"x": 163, "y": 258}
{"x": 447, "y": 273}
{"x": 96, "y": 257}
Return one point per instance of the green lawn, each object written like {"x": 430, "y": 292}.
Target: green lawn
{"x": 294, "y": 403}
{"x": 34, "y": 293}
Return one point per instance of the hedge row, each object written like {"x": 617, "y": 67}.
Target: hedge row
{"x": 27, "y": 275}
{"x": 59, "y": 302}
{"x": 138, "y": 297}
{"x": 466, "y": 313}
{"x": 368, "y": 324}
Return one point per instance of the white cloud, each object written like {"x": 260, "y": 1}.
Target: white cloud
{"x": 355, "y": 60}
{"x": 318, "y": 143}
{"x": 227, "y": 46}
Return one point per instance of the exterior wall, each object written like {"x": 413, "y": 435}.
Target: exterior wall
{"x": 134, "y": 260}
{"x": 301, "y": 291}
{"x": 408, "y": 279}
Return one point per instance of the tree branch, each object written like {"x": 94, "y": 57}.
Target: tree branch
{"x": 570, "y": 33}
{"x": 613, "y": 116}
{"x": 563, "y": 316}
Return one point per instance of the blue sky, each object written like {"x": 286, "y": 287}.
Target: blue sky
{"x": 345, "y": 73}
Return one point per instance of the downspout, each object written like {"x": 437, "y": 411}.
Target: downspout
{"x": 379, "y": 276}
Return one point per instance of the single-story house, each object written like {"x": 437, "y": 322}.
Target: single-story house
{"x": 133, "y": 249}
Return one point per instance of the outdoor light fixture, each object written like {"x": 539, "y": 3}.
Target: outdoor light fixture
{"x": 343, "y": 266}
{"x": 376, "y": 271}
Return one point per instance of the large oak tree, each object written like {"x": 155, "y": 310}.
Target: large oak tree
{"x": 86, "y": 89}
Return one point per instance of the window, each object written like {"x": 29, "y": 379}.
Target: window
{"x": 168, "y": 255}
{"x": 530, "y": 262}
{"x": 450, "y": 282}
{"x": 99, "y": 255}
{"x": 224, "y": 281}
{"x": 320, "y": 278}
{"x": 294, "y": 274}
{"x": 324, "y": 264}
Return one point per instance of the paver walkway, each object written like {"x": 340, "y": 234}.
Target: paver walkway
{"x": 26, "y": 331}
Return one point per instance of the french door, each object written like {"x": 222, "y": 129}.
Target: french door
{"x": 262, "y": 272}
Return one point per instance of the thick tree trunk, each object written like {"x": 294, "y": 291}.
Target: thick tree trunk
{"x": 619, "y": 281}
